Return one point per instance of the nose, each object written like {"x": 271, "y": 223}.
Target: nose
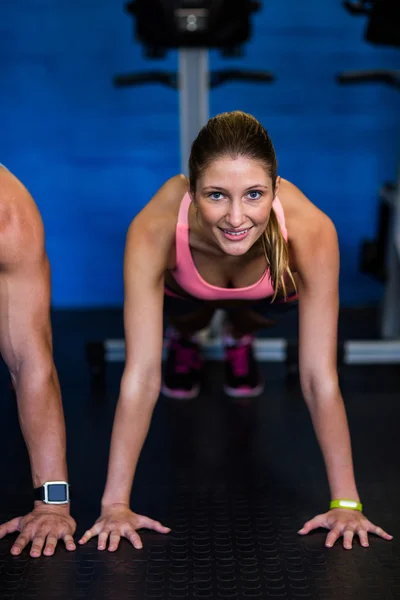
{"x": 235, "y": 217}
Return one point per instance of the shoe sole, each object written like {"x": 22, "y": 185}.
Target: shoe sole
{"x": 180, "y": 394}
{"x": 244, "y": 392}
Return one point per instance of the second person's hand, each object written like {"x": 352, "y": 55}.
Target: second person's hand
{"x": 116, "y": 521}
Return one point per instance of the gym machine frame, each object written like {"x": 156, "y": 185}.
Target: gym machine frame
{"x": 383, "y": 254}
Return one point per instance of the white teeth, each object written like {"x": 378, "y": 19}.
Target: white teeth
{"x": 236, "y": 232}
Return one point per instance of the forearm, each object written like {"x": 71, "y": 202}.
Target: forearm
{"x": 331, "y": 428}
{"x": 42, "y": 421}
{"x": 131, "y": 424}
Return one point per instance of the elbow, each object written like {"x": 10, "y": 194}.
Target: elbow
{"x": 319, "y": 387}
{"x": 143, "y": 387}
{"x": 34, "y": 374}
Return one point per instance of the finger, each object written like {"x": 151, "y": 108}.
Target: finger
{"x": 134, "y": 538}
{"x": 95, "y": 530}
{"x": 348, "y": 536}
{"x": 312, "y": 524}
{"x": 114, "y": 541}
{"x": 37, "y": 545}
{"x": 69, "y": 542}
{"x": 51, "y": 544}
{"x": 19, "y": 544}
{"x": 363, "y": 535}
{"x": 145, "y": 522}
{"x": 332, "y": 537}
{"x": 103, "y": 537}
{"x": 379, "y": 531}
{"x": 9, "y": 527}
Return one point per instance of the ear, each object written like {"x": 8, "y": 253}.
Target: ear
{"x": 277, "y": 185}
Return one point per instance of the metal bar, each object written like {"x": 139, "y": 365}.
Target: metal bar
{"x": 193, "y": 98}
{"x": 372, "y": 352}
{"x": 271, "y": 350}
{"x": 194, "y": 89}
{"x": 275, "y": 350}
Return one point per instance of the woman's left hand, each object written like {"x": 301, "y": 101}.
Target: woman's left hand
{"x": 346, "y": 523}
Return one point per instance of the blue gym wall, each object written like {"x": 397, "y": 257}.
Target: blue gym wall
{"x": 92, "y": 155}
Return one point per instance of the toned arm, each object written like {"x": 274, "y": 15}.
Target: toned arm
{"x": 149, "y": 244}
{"x": 26, "y": 346}
{"x": 316, "y": 257}
{"x": 316, "y": 260}
{"x": 150, "y": 239}
{"x": 140, "y": 385}
{"x": 25, "y": 330}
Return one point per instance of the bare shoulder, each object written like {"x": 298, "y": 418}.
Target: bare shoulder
{"x": 312, "y": 234}
{"x": 155, "y": 224}
{"x": 21, "y": 226}
{"x": 165, "y": 203}
{"x": 301, "y": 215}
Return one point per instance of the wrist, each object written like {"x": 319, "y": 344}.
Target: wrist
{"x": 54, "y": 508}
{"x": 114, "y": 506}
{"x": 345, "y": 494}
{"x": 107, "y": 503}
{"x": 345, "y": 490}
{"x": 114, "y": 494}
{"x": 58, "y": 472}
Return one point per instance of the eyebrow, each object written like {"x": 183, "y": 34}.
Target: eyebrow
{"x": 220, "y": 189}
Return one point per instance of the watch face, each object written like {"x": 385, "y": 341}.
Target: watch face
{"x": 57, "y": 492}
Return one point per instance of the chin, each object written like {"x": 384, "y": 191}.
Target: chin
{"x": 236, "y": 249}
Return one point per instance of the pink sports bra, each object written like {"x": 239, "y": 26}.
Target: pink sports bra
{"x": 190, "y": 280}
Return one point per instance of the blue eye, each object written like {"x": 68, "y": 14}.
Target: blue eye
{"x": 213, "y": 194}
{"x": 254, "y": 195}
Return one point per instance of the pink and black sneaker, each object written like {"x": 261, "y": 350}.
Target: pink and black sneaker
{"x": 242, "y": 377}
{"x": 182, "y": 370}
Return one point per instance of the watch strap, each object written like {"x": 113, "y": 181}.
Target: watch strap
{"x": 38, "y": 493}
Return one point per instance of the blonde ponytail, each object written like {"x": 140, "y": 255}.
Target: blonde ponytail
{"x": 276, "y": 251}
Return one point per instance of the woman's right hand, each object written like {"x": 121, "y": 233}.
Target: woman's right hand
{"x": 116, "y": 521}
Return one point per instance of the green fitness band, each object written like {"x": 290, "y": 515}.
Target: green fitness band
{"x": 344, "y": 503}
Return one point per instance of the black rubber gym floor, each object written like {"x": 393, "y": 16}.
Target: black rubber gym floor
{"x": 234, "y": 481}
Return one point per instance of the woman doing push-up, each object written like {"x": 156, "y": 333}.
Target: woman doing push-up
{"x": 236, "y": 236}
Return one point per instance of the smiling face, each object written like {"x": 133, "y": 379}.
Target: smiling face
{"x": 234, "y": 198}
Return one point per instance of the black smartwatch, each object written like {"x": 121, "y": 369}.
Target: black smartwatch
{"x": 53, "y": 492}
